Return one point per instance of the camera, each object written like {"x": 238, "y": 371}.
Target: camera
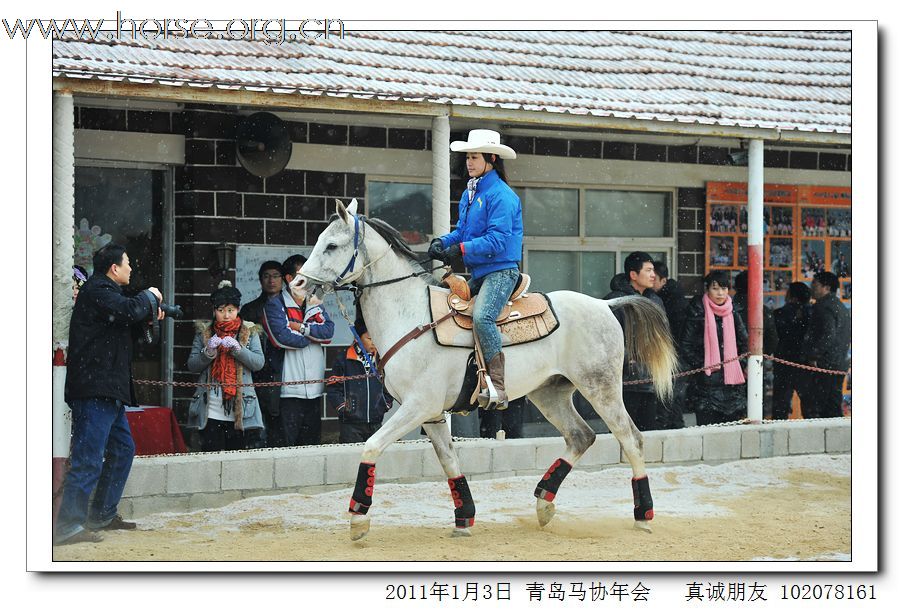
{"x": 173, "y": 311}
{"x": 152, "y": 332}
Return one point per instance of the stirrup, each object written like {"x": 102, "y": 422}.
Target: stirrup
{"x": 489, "y": 399}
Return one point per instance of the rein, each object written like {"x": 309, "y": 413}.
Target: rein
{"x": 417, "y": 332}
{"x": 340, "y": 285}
{"x": 401, "y": 278}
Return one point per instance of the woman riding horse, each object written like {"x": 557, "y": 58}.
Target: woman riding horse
{"x": 488, "y": 240}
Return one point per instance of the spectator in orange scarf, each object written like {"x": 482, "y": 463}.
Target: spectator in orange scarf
{"x": 225, "y": 352}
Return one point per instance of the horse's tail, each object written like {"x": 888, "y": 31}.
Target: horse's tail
{"x": 648, "y": 340}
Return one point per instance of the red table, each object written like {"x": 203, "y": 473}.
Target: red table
{"x": 155, "y": 431}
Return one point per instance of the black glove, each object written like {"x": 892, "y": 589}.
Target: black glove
{"x": 436, "y": 249}
{"x": 452, "y": 254}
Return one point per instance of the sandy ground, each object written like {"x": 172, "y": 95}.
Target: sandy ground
{"x": 794, "y": 508}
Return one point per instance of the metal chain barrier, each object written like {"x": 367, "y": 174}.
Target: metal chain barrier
{"x": 743, "y": 356}
{"x": 330, "y": 380}
{"x": 807, "y": 367}
{"x": 338, "y": 379}
{"x": 688, "y": 372}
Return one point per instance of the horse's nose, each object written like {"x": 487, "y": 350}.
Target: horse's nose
{"x": 299, "y": 282}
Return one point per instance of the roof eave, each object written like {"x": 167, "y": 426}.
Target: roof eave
{"x": 336, "y": 101}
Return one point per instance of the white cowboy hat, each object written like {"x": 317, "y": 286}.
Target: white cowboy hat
{"x": 483, "y": 141}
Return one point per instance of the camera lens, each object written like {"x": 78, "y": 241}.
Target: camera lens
{"x": 173, "y": 311}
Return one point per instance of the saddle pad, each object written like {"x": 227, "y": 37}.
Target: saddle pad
{"x": 535, "y": 319}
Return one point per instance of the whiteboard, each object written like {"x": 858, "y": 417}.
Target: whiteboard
{"x": 248, "y": 260}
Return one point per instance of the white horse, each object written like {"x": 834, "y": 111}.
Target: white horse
{"x": 584, "y": 353}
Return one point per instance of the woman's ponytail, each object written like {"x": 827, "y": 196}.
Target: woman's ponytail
{"x": 498, "y": 166}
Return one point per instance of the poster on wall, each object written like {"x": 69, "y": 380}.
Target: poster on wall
{"x": 248, "y": 259}
{"x": 87, "y": 240}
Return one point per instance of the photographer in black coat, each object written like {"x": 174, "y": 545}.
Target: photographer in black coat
{"x": 825, "y": 345}
{"x": 98, "y": 387}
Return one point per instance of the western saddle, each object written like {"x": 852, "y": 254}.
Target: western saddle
{"x": 524, "y": 318}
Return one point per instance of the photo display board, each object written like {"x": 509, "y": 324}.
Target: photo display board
{"x": 248, "y": 260}
{"x": 806, "y": 229}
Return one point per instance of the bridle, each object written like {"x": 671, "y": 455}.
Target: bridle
{"x": 342, "y": 284}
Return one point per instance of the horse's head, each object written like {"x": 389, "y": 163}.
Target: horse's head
{"x": 335, "y": 259}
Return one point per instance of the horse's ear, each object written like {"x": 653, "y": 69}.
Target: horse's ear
{"x": 340, "y": 210}
{"x": 353, "y": 207}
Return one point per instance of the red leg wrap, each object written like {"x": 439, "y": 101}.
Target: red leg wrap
{"x": 362, "y": 497}
{"x": 463, "y": 502}
{"x": 643, "y": 499}
{"x": 549, "y": 485}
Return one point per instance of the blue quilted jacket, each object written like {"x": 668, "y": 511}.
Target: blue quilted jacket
{"x": 490, "y": 227}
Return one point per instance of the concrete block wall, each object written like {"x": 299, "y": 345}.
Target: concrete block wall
{"x": 179, "y": 483}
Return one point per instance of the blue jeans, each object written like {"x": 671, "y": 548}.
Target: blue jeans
{"x": 493, "y": 291}
{"x": 100, "y": 460}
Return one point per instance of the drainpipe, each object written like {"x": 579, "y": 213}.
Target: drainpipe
{"x": 755, "y": 280}
{"x": 442, "y": 194}
{"x": 441, "y": 186}
{"x": 63, "y": 250}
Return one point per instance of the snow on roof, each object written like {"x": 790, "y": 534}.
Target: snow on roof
{"x": 791, "y": 80}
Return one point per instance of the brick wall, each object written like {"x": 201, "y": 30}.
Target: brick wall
{"x": 216, "y": 200}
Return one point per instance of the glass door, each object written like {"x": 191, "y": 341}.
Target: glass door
{"x": 130, "y": 206}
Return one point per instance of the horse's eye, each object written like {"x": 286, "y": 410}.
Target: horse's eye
{"x": 330, "y": 247}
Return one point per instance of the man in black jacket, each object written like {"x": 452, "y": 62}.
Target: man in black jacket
{"x": 638, "y": 278}
{"x": 791, "y": 321}
{"x": 671, "y": 413}
{"x": 271, "y": 280}
{"x": 98, "y": 387}
{"x": 825, "y": 345}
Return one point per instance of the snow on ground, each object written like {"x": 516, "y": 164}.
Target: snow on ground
{"x": 678, "y": 490}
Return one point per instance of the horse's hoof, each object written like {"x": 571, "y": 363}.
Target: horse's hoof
{"x": 643, "y": 526}
{"x": 545, "y": 511}
{"x": 360, "y": 526}
{"x": 461, "y": 532}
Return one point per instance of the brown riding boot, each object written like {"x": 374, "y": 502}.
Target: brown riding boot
{"x": 496, "y": 371}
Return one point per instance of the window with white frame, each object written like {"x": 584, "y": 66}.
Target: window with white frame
{"x": 407, "y": 206}
{"x": 576, "y": 238}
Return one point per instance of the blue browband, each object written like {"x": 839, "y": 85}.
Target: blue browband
{"x": 351, "y": 264}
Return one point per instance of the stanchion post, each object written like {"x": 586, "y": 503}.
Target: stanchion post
{"x": 755, "y": 280}
{"x": 63, "y": 251}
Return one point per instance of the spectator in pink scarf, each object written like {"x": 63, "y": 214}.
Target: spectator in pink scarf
{"x": 714, "y": 333}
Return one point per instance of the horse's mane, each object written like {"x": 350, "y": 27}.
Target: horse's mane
{"x": 392, "y": 236}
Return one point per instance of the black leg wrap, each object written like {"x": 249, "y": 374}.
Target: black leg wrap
{"x": 643, "y": 499}
{"x": 362, "y": 497}
{"x": 464, "y": 503}
{"x": 552, "y": 480}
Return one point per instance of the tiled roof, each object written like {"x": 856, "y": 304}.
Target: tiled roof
{"x": 798, "y": 80}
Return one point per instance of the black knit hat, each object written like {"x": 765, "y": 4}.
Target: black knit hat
{"x": 360, "y": 327}
{"x": 226, "y": 294}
